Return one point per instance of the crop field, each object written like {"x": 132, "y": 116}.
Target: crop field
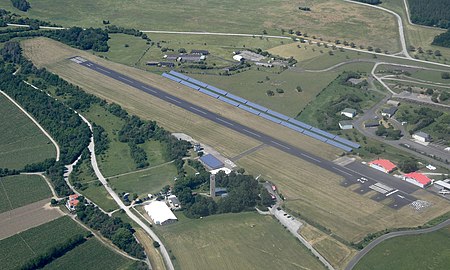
{"x": 150, "y": 181}
{"x": 316, "y": 195}
{"x": 425, "y": 251}
{"x": 329, "y": 19}
{"x": 21, "y": 141}
{"x": 17, "y": 249}
{"x": 235, "y": 241}
{"x": 92, "y": 254}
{"x": 20, "y": 190}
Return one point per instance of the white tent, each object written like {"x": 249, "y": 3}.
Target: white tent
{"x": 160, "y": 213}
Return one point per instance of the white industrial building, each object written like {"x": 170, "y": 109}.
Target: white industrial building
{"x": 349, "y": 112}
{"x": 345, "y": 124}
{"x": 160, "y": 213}
{"x": 421, "y": 136}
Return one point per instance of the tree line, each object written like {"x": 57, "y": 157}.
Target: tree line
{"x": 442, "y": 40}
{"x": 22, "y": 5}
{"x": 113, "y": 228}
{"x": 8, "y": 17}
{"x": 430, "y": 13}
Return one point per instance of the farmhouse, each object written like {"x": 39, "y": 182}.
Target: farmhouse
{"x": 383, "y": 165}
{"x": 417, "y": 179}
{"x": 173, "y": 202}
{"x": 421, "y": 136}
{"x": 349, "y": 112}
{"x": 72, "y": 202}
{"x": 346, "y": 124}
{"x": 389, "y": 112}
{"x": 160, "y": 213}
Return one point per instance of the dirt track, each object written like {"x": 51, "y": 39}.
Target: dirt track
{"x": 27, "y": 217}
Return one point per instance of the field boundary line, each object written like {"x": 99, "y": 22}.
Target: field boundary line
{"x": 25, "y": 242}
{"x": 7, "y": 197}
{"x": 58, "y": 153}
{"x": 141, "y": 170}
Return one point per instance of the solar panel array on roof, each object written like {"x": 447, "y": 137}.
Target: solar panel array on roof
{"x": 179, "y": 75}
{"x": 229, "y": 101}
{"x": 256, "y": 106}
{"x": 279, "y": 115}
{"x": 217, "y": 90}
{"x": 270, "y": 118}
{"x": 188, "y": 84}
{"x": 241, "y": 100}
{"x": 291, "y": 126}
{"x": 347, "y": 142}
{"x": 315, "y": 136}
{"x": 298, "y": 123}
{"x": 323, "y": 133}
{"x": 197, "y": 82}
{"x": 211, "y": 161}
{"x": 339, "y": 145}
{"x": 173, "y": 78}
{"x": 248, "y": 109}
{"x": 209, "y": 93}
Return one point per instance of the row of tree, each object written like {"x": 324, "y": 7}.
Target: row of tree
{"x": 8, "y": 17}
{"x": 22, "y": 5}
{"x": 442, "y": 40}
{"x": 113, "y": 228}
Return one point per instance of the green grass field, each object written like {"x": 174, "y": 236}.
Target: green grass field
{"x": 17, "y": 249}
{"x": 426, "y": 251}
{"x": 20, "y": 190}
{"x": 91, "y": 255}
{"x": 21, "y": 141}
{"x": 331, "y": 19}
{"x": 144, "y": 182}
{"x": 235, "y": 241}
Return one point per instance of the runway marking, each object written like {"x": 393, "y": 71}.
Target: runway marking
{"x": 310, "y": 157}
{"x": 342, "y": 171}
{"x": 149, "y": 89}
{"x": 198, "y": 110}
{"x": 226, "y": 122}
{"x": 390, "y": 193}
{"x": 253, "y": 133}
{"x": 279, "y": 144}
{"x": 174, "y": 100}
{"x": 125, "y": 79}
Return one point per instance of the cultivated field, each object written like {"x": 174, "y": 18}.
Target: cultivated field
{"x": 21, "y": 141}
{"x": 92, "y": 254}
{"x": 333, "y": 19}
{"x": 53, "y": 55}
{"x": 20, "y": 190}
{"x": 17, "y": 249}
{"x": 425, "y": 251}
{"x": 235, "y": 241}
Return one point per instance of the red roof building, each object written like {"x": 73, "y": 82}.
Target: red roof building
{"x": 417, "y": 179}
{"x": 383, "y": 165}
{"x": 72, "y": 202}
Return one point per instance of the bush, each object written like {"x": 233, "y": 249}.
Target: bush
{"x": 156, "y": 244}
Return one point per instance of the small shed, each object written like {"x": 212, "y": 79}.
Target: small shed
{"x": 371, "y": 123}
{"x": 349, "y": 112}
{"x": 393, "y": 103}
{"x": 346, "y": 124}
{"x": 389, "y": 112}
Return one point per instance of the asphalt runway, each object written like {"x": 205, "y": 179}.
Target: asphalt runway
{"x": 353, "y": 173}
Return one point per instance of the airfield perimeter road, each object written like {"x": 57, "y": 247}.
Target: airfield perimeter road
{"x": 357, "y": 173}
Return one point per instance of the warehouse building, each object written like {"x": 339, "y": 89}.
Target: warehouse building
{"x": 211, "y": 162}
{"x": 349, "y": 112}
{"x": 160, "y": 213}
{"x": 421, "y": 136}
{"x": 383, "y": 165}
{"x": 345, "y": 124}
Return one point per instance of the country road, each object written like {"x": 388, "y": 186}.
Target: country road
{"x": 162, "y": 248}
{"x": 382, "y": 238}
{"x": 58, "y": 152}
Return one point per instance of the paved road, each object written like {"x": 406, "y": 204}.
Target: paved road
{"x": 116, "y": 198}
{"x": 36, "y": 123}
{"x": 382, "y": 238}
{"x": 350, "y": 174}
